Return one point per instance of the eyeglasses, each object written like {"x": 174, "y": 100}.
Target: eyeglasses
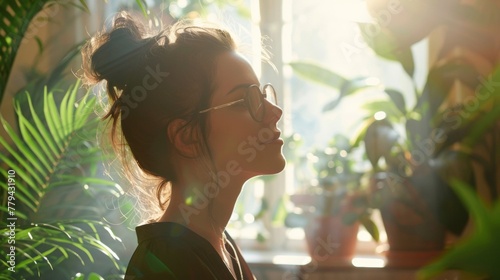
{"x": 254, "y": 101}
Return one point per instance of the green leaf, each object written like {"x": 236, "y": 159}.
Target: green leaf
{"x": 23, "y": 195}
{"x": 382, "y": 42}
{"x": 71, "y": 106}
{"x": 39, "y": 255}
{"x": 371, "y": 227}
{"x": 43, "y": 132}
{"x": 477, "y": 253}
{"x": 79, "y": 276}
{"x": 54, "y": 116}
{"x": 405, "y": 57}
{"x": 264, "y": 207}
{"x": 82, "y": 111}
{"x": 482, "y": 125}
{"x": 386, "y": 106}
{"x": 95, "y": 276}
{"x": 19, "y": 214}
{"x": 143, "y": 6}
{"x": 260, "y": 237}
{"x": 386, "y": 45}
{"x": 356, "y": 141}
{"x": 398, "y": 99}
{"x": 19, "y": 14}
{"x": 36, "y": 158}
{"x": 84, "y": 5}
{"x": 37, "y": 145}
{"x": 350, "y": 87}
{"x": 64, "y": 115}
{"x": 318, "y": 74}
{"x": 280, "y": 212}
{"x": 379, "y": 139}
{"x": 440, "y": 81}
{"x": 75, "y": 253}
{"x": 52, "y": 119}
{"x": 479, "y": 213}
{"x": 25, "y": 176}
{"x": 27, "y": 172}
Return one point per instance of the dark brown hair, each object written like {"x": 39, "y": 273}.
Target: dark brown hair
{"x": 152, "y": 80}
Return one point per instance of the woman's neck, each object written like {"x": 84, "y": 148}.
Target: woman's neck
{"x": 205, "y": 209}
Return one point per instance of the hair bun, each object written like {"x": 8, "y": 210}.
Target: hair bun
{"x": 113, "y": 55}
{"x": 113, "y": 60}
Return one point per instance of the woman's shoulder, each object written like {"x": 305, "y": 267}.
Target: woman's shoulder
{"x": 172, "y": 240}
{"x": 165, "y": 231}
{"x": 170, "y": 251}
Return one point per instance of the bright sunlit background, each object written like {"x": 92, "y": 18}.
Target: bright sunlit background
{"x": 322, "y": 32}
{"x": 325, "y": 33}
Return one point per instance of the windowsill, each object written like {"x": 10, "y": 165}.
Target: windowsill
{"x": 286, "y": 265}
{"x": 273, "y": 258}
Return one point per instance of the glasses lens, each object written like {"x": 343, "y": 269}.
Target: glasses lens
{"x": 255, "y": 103}
{"x": 270, "y": 94}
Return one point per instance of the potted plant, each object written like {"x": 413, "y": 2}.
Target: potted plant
{"x": 446, "y": 136}
{"x": 450, "y": 132}
{"x": 333, "y": 205}
{"x": 413, "y": 156}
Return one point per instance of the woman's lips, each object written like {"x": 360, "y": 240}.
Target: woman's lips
{"x": 275, "y": 139}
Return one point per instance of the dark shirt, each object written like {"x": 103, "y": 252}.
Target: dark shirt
{"x": 171, "y": 251}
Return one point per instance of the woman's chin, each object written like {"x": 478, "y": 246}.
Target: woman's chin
{"x": 274, "y": 167}
{"x": 282, "y": 165}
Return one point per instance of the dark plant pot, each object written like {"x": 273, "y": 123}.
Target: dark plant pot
{"x": 330, "y": 242}
{"x": 414, "y": 235}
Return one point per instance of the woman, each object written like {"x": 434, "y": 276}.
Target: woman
{"x": 194, "y": 116}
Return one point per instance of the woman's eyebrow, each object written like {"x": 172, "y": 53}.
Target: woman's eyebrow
{"x": 240, "y": 86}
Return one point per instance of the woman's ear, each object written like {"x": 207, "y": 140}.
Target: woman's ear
{"x": 184, "y": 137}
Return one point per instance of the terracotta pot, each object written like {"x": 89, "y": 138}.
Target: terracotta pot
{"x": 330, "y": 242}
{"x": 414, "y": 236}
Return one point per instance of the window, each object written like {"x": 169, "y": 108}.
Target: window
{"x": 327, "y": 33}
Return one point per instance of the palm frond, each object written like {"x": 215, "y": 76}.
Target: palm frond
{"x": 52, "y": 155}
{"x": 45, "y": 245}
{"x": 17, "y": 17}
{"x": 45, "y": 149}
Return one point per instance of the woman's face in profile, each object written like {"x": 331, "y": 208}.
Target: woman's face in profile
{"x": 239, "y": 144}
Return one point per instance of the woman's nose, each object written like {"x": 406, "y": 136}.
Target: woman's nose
{"x": 273, "y": 112}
